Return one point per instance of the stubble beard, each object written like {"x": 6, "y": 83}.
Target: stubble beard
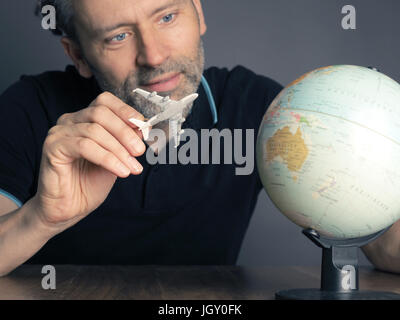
{"x": 191, "y": 70}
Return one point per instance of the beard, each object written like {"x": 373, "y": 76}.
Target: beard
{"x": 191, "y": 70}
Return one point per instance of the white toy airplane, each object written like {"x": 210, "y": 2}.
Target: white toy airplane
{"x": 173, "y": 112}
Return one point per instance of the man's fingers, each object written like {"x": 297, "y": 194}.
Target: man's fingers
{"x": 103, "y": 116}
{"x": 80, "y": 147}
{"x": 120, "y": 108}
{"x": 112, "y": 114}
{"x": 104, "y": 139}
{"x": 139, "y": 133}
{"x": 116, "y": 105}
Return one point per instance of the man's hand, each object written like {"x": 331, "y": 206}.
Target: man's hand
{"x": 82, "y": 157}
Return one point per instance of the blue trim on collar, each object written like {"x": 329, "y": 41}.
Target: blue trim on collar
{"x": 11, "y": 197}
{"x": 210, "y": 99}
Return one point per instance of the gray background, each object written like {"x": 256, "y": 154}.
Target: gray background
{"x": 280, "y": 39}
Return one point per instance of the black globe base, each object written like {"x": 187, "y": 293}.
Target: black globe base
{"x": 317, "y": 294}
{"x": 339, "y": 271}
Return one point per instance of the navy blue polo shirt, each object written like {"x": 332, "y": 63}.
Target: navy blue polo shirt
{"x": 194, "y": 214}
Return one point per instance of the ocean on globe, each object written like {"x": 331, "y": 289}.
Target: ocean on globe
{"x": 328, "y": 151}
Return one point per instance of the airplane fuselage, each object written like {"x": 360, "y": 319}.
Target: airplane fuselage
{"x": 173, "y": 110}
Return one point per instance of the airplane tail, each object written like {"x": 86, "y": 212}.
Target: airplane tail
{"x": 143, "y": 126}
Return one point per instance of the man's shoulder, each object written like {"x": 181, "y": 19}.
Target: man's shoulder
{"x": 240, "y": 76}
{"x": 241, "y": 81}
{"x": 65, "y": 82}
{"x": 47, "y": 80}
{"x": 242, "y": 91}
{"x": 55, "y": 91}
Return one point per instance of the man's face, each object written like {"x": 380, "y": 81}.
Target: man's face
{"x": 151, "y": 44}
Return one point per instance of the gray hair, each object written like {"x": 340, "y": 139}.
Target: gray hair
{"x": 65, "y": 16}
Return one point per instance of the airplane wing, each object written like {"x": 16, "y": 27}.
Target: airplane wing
{"x": 153, "y": 97}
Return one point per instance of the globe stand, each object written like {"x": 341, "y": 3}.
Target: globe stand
{"x": 339, "y": 272}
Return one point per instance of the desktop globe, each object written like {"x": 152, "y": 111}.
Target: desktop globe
{"x": 327, "y": 155}
{"x": 328, "y": 151}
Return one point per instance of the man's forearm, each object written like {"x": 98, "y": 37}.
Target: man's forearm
{"x": 21, "y": 236}
{"x": 384, "y": 252}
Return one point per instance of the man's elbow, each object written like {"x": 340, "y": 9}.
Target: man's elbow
{"x": 4, "y": 274}
{"x": 6, "y": 270}
{"x": 382, "y": 258}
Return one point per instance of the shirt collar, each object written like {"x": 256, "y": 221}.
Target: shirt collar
{"x": 201, "y": 116}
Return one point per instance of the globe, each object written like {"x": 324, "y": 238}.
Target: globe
{"x": 328, "y": 151}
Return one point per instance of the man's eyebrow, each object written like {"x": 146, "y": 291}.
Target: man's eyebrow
{"x": 100, "y": 31}
{"x": 167, "y": 5}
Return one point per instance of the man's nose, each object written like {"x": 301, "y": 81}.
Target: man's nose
{"x": 151, "y": 51}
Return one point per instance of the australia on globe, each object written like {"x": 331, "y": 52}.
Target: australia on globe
{"x": 328, "y": 151}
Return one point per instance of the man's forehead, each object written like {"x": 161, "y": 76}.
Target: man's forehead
{"x": 101, "y": 15}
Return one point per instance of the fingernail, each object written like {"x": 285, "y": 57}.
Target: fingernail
{"x": 123, "y": 169}
{"x": 138, "y": 147}
{"x": 135, "y": 165}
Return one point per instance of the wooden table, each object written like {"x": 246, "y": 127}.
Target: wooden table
{"x": 174, "y": 282}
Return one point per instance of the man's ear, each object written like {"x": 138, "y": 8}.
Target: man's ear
{"x": 199, "y": 9}
{"x": 74, "y": 52}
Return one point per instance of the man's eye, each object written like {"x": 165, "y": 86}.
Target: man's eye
{"x": 119, "y": 37}
{"x": 168, "y": 18}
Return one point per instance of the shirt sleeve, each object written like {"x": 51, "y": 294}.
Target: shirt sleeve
{"x": 19, "y": 112}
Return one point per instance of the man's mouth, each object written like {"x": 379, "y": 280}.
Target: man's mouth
{"x": 162, "y": 84}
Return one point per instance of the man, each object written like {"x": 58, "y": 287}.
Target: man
{"x": 74, "y": 140}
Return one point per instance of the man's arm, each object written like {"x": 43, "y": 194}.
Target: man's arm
{"x": 384, "y": 252}
{"x": 21, "y": 234}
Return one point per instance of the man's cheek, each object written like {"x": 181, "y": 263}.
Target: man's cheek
{"x": 183, "y": 41}
{"x": 117, "y": 65}
{"x": 116, "y": 74}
